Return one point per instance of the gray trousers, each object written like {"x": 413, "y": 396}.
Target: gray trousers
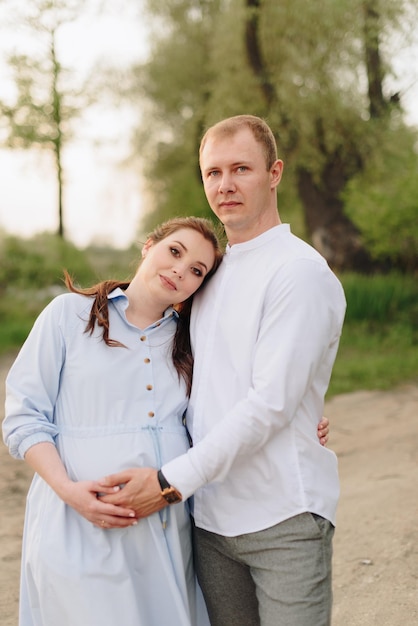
{"x": 280, "y": 576}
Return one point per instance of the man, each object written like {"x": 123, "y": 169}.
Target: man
{"x": 265, "y": 334}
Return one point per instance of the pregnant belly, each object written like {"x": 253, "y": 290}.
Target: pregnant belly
{"x": 90, "y": 458}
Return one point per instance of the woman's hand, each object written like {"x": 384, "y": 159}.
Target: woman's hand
{"x": 323, "y": 431}
{"x": 80, "y": 495}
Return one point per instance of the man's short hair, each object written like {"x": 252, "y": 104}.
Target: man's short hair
{"x": 259, "y": 128}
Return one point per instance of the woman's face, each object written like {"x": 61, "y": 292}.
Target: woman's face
{"x": 175, "y": 267}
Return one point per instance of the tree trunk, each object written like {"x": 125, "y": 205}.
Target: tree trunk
{"x": 57, "y": 141}
{"x": 58, "y": 166}
{"x": 378, "y": 106}
{"x": 330, "y": 230}
{"x": 255, "y": 56}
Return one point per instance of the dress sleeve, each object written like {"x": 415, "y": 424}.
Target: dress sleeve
{"x": 32, "y": 384}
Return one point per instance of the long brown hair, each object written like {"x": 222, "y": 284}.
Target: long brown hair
{"x": 99, "y": 313}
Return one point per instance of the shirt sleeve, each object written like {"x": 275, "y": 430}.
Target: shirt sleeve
{"x": 32, "y": 384}
{"x": 297, "y": 342}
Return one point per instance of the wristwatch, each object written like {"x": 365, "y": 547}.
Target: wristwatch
{"x": 168, "y": 492}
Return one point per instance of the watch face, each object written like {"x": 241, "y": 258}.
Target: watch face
{"x": 171, "y": 495}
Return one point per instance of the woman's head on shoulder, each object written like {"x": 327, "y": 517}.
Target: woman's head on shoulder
{"x": 178, "y": 257}
{"x": 193, "y": 247}
{"x": 204, "y": 229}
{"x": 183, "y": 252}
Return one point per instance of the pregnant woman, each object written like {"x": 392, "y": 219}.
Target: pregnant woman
{"x": 101, "y": 385}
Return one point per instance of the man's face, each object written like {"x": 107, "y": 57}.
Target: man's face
{"x": 239, "y": 188}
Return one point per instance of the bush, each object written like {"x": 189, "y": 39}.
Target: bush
{"x": 39, "y": 262}
{"x": 381, "y": 299}
{"x": 378, "y": 348}
{"x": 31, "y": 274}
{"x": 383, "y": 200}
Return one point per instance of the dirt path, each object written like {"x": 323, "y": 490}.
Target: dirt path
{"x": 375, "y": 435}
{"x": 14, "y": 480}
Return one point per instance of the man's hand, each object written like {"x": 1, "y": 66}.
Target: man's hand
{"x": 139, "y": 491}
{"x": 323, "y": 431}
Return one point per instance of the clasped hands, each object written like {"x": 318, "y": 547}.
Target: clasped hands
{"x": 136, "y": 489}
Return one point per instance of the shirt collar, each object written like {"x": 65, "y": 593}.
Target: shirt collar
{"x": 262, "y": 239}
{"x": 119, "y": 294}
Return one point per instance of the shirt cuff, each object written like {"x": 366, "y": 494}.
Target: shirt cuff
{"x": 181, "y": 474}
{"x": 30, "y": 441}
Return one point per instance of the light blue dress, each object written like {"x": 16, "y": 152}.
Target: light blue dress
{"x": 107, "y": 409}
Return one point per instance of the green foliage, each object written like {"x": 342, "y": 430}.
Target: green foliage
{"x": 375, "y": 357}
{"x": 18, "y": 311}
{"x": 379, "y": 344}
{"x": 31, "y": 274}
{"x": 173, "y": 88}
{"x": 43, "y": 105}
{"x": 312, "y": 57}
{"x": 383, "y": 199}
{"x": 39, "y": 262}
{"x": 382, "y": 299}
{"x": 185, "y": 198}
{"x": 110, "y": 264}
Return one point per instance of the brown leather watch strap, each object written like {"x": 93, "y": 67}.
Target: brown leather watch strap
{"x": 169, "y": 493}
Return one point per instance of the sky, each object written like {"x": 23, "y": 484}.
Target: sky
{"x": 103, "y": 202}
{"x": 102, "y": 197}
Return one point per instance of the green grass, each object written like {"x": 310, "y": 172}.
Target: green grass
{"x": 373, "y": 357}
{"x": 379, "y": 344}
{"x": 380, "y": 299}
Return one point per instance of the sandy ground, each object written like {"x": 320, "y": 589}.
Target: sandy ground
{"x": 375, "y": 435}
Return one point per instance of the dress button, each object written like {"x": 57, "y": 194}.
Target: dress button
{"x": 142, "y": 337}
{"x": 151, "y": 414}
{"x": 149, "y": 387}
{"x": 147, "y": 360}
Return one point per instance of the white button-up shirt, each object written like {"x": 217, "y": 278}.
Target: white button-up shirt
{"x": 265, "y": 333}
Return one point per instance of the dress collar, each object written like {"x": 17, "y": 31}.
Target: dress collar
{"x": 119, "y": 295}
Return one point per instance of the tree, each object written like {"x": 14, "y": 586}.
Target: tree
{"x": 44, "y": 105}
{"x": 317, "y": 71}
{"x": 319, "y": 192}
{"x": 173, "y": 88}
